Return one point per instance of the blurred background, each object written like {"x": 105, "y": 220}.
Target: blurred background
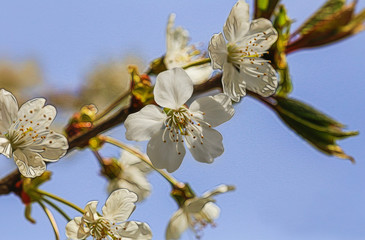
{"x": 285, "y": 188}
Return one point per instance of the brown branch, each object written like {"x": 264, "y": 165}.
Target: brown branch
{"x": 7, "y": 183}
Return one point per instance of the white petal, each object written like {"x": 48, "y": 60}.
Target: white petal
{"x": 91, "y": 214}
{"x": 52, "y": 148}
{"x": 218, "y": 51}
{"x": 237, "y": 23}
{"x": 259, "y": 26}
{"x": 75, "y": 230}
{"x": 176, "y": 38}
{"x": 35, "y": 105}
{"x": 5, "y": 147}
{"x": 120, "y": 205}
{"x": 199, "y": 74}
{"x": 8, "y": 110}
{"x": 142, "y": 125}
{"x": 195, "y": 205}
{"x": 165, "y": 154}
{"x": 134, "y": 230}
{"x": 233, "y": 84}
{"x": 177, "y": 225}
{"x": 218, "y": 190}
{"x": 210, "y": 212}
{"x": 134, "y": 180}
{"x": 217, "y": 109}
{"x": 264, "y": 85}
{"x": 30, "y": 164}
{"x": 211, "y": 148}
{"x": 173, "y": 88}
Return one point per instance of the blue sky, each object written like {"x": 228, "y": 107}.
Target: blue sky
{"x": 285, "y": 188}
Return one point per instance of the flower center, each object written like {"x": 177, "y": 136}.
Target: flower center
{"x": 182, "y": 122}
{"x": 28, "y": 129}
{"x": 102, "y": 229}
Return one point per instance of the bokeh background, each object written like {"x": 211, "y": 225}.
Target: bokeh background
{"x": 285, "y": 189}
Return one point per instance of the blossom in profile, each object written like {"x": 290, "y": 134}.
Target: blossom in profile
{"x": 195, "y": 213}
{"x": 169, "y": 128}
{"x": 132, "y": 176}
{"x": 26, "y": 136}
{"x": 238, "y": 53}
{"x": 112, "y": 224}
{"x": 180, "y": 54}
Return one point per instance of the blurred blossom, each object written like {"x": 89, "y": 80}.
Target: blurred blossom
{"x": 17, "y": 77}
{"x": 195, "y": 213}
{"x": 107, "y": 82}
{"x": 132, "y": 176}
{"x": 180, "y": 54}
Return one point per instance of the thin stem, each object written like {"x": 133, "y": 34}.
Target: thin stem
{"x": 51, "y": 220}
{"x": 57, "y": 198}
{"x": 197, "y": 63}
{"x": 57, "y": 208}
{"x": 143, "y": 157}
{"x": 112, "y": 106}
{"x": 98, "y": 156}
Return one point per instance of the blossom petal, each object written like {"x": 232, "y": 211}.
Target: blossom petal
{"x": 233, "y": 84}
{"x": 75, "y": 230}
{"x": 119, "y": 205}
{"x": 173, "y": 88}
{"x": 237, "y": 23}
{"x": 35, "y": 105}
{"x": 142, "y": 125}
{"x": 91, "y": 214}
{"x": 195, "y": 205}
{"x": 168, "y": 155}
{"x": 134, "y": 180}
{"x": 176, "y": 38}
{"x": 5, "y": 147}
{"x": 218, "y": 190}
{"x": 177, "y": 225}
{"x": 217, "y": 109}
{"x": 130, "y": 160}
{"x": 52, "y": 148}
{"x": 260, "y": 77}
{"x": 258, "y": 27}
{"x": 135, "y": 230}
{"x": 30, "y": 164}
{"x": 208, "y": 148}
{"x": 218, "y": 51}
{"x": 8, "y": 110}
{"x": 199, "y": 74}
{"x": 210, "y": 212}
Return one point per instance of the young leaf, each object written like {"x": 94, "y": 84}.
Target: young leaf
{"x": 314, "y": 126}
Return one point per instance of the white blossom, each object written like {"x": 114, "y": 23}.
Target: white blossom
{"x": 180, "y": 54}
{"x": 169, "y": 128}
{"x": 195, "y": 214}
{"x": 112, "y": 223}
{"x": 240, "y": 57}
{"x": 25, "y": 134}
{"x": 132, "y": 176}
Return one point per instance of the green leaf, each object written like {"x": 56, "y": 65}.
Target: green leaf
{"x": 265, "y": 8}
{"x": 330, "y": 7}
{"x": 314, "y": 126}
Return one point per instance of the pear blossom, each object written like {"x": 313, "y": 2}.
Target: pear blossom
{"x": 132, "y": 176}
{"x": 240, "y": 58}
{"x": 25, "y": 134}
{"x": 195, "y": 214}
{"x": 168, "y": 128}
{"x": 180, "y": 54}
{"x": 112, "y": 224}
